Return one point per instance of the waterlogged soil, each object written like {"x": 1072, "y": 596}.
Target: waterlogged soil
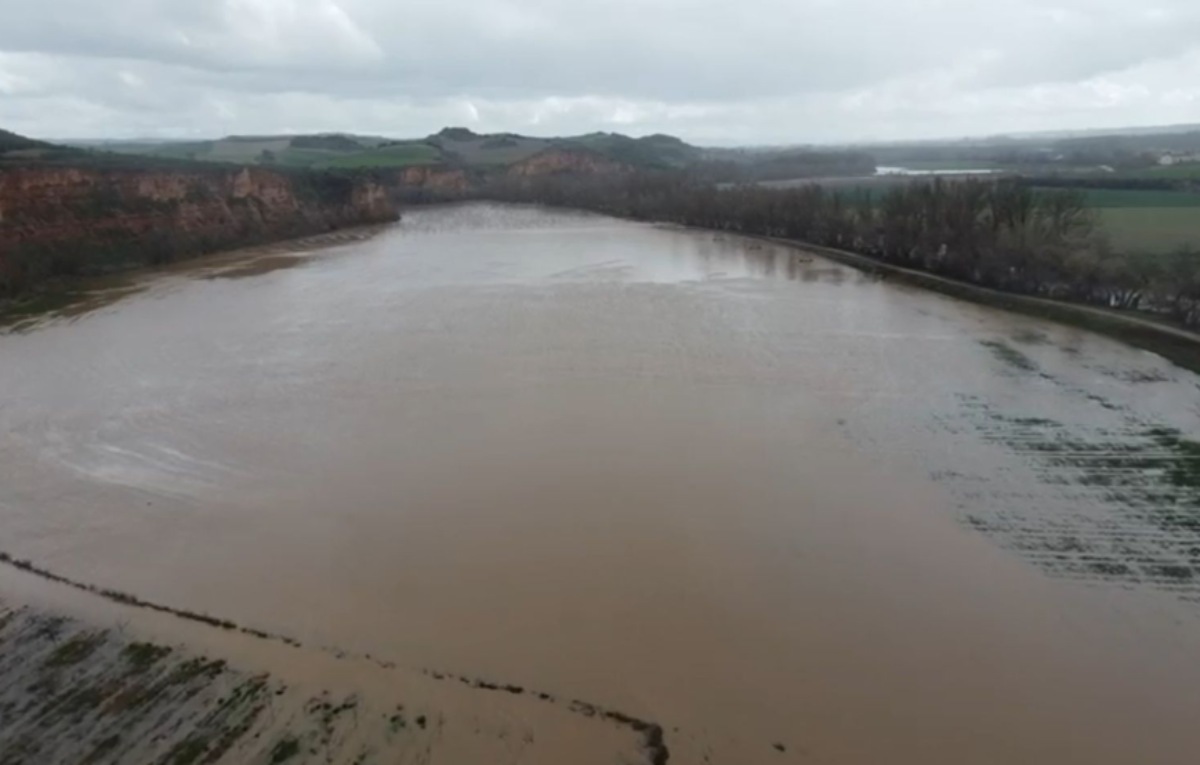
{"x": 629, "y": 492}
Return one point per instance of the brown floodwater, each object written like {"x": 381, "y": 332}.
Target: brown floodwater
{"x": 747, "y": 493}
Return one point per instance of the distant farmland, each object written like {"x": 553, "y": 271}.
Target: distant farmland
{"x": 396, "y": 155}
{"x": 1136, "y": 221}
{"x": 1151, "y": 230}
{"x": 1149, "y": 222}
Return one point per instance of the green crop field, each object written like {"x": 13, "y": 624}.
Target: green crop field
{"x": 1179, "y": 172}
{"x": 294, "y": 157}
{"x": 1147, "y": 222}
{"x": 1123, "y": 198}
{"x": 1151, "y": 230}
{"x": 942, "y": 164}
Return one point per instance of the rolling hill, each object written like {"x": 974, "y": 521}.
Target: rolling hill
{"x": 458, "y": 147}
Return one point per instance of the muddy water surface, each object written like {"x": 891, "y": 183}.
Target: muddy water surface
{"x": 786, "y": 510}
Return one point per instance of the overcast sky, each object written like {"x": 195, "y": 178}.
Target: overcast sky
{"x": 711, "y": 71}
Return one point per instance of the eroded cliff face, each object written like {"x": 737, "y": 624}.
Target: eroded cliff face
{"x": 434, "y": 178}
{"x": 433, "y": 183}
{"x": 68, "y": 220}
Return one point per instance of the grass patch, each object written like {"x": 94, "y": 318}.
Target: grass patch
{"x": 76, "y": 649}
{"x": 1139, "y": 198}
{"x": 1147, "y": 221}
{"x": 1010, "y": 355}
{"x": 1144, "y": 480}
{"x": 186, "y": 752}
{"x": 1151, "y": 230}
{"x": 142, "y": 656}
{"x": 102, "y": 749}
{"x": 285, "y": 750}
{"x": 293, "y": 157}
{"x": 194, "y": 668}
{"x": 1182, "y": 172}
{"x": 1031, "y": 337}
{"x": 401, "y": 155}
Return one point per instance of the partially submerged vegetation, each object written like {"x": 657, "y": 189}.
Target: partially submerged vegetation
{"x": 1140, "y": 521}
{"x": 76, "y": 695}
{"x": 142, "y": 679}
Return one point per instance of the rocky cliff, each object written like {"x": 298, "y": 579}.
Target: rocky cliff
{"x": 426, "y": 183}
{"x": 435, "y": 183}
{"x": 58, "y": 220}
{"x": 435, "y": 177}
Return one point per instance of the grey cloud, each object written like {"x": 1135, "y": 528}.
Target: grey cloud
{"x": 753, "y": 70}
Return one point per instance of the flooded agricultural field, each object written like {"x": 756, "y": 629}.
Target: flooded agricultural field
{"x": 574, "y": 489}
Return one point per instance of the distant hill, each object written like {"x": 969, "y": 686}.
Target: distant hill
{"x": 16, "y": 148}
{"x": 454, "y": 146}
{"x": 11, "y": 142}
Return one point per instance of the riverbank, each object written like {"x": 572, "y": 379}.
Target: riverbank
{"x": 73, "y": 296}
{"x": 1178, "y": 345}
{"x": 63, "y": 221}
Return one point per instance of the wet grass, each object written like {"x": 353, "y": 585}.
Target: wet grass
{"x": 285, "y": 750}
{"x": 150, "y": 680}
{"x": 1031, "y": 337}
{"x": 1138, "y": 493}
{"x": 91, "y": 698}
{"x": 142, "y": 656}
{"x": 76, "y": 649}
{"x": 186, "y": 752}
{"x": 102, "y": 750}
{"x": 1010, "y": 356}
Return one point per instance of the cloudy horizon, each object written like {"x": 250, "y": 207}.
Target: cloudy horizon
{"x": 755, "y": 72}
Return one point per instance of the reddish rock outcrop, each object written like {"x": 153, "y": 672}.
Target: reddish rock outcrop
{"x": 436, "y": 178}
{"x": 57, "y": 220}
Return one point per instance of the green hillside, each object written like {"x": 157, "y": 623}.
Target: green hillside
{"x": 13, "y": 142}
{"x": 657, "y": 151}
{"x": 17, "y": 148}
{"x": 453, "y": 146}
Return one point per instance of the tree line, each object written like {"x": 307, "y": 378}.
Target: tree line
{"x": 1002, "y": 234}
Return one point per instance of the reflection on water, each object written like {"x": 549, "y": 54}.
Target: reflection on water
{"x": 721, "y": 484}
